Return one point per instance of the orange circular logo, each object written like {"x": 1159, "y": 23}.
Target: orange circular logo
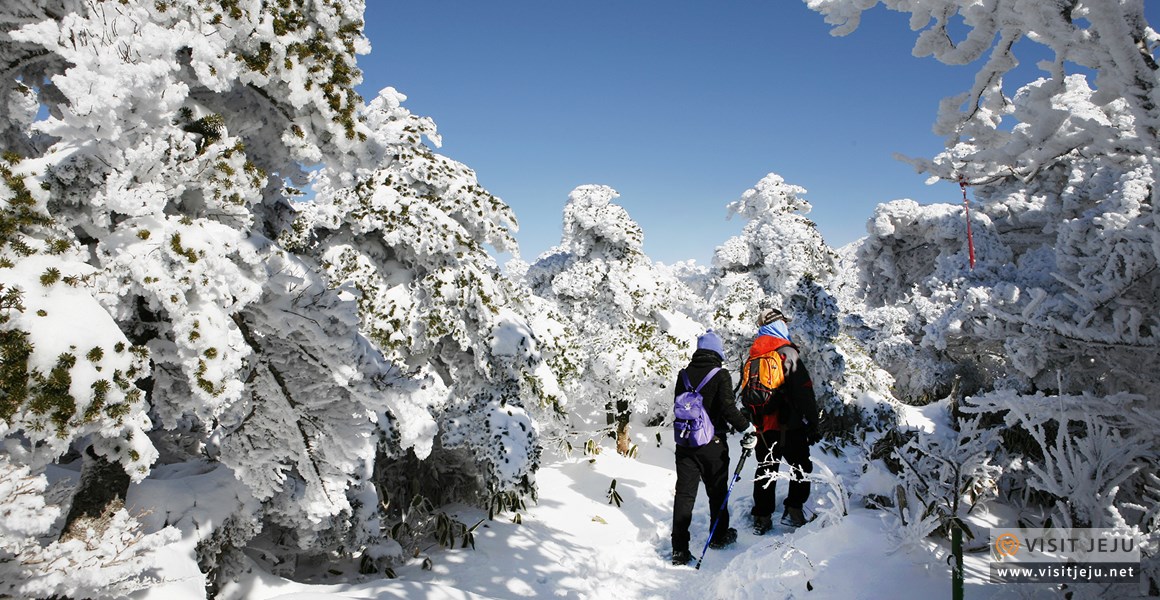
{"x": 1007, "y": 544}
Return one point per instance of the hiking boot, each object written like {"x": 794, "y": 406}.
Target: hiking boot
{"x": 793, "y": 516}
{"x": 723, "y": 539}
{"x": 762, "y": 525}
{"x": 681, "y": 557}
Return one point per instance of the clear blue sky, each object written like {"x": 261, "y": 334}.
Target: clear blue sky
{"x": 679, "y": 105}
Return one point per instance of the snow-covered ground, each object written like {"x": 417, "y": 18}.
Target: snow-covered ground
{"x": 574, "y": 543}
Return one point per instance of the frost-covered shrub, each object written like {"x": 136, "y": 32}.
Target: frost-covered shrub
{"x": 1080, "y": 461}
{"x": 1086, "y": 468}
{"x": 942, "y": 477}
{"x": 828, "y": 493}
{"x": 99, "y": 557}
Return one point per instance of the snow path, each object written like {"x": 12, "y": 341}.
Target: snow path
{"x": 574, "y": 544}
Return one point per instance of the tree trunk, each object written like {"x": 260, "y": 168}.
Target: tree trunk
{"x": 622, "y": 443}
{"x": 103, "y": 486}
{"x": 619, "y": 417}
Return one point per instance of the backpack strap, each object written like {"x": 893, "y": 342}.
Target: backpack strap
{"x": 743, "y": 370}
{"x": 703, "y": 381}
{"x": 685, "y": 380}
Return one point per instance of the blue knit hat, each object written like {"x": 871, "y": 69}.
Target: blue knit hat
{"x": 710, "y": 341}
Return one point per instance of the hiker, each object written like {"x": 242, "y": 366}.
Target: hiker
{"x": 786, "y": 426}
{"x": 708, "y": 463}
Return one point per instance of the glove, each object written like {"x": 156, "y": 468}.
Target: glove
{"x": 789, "y": 358}
{"x": 749, "y": 440}
{"x": 812, "y": 436}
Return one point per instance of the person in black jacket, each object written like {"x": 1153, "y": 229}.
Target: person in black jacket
{"x": 708, "y": 463}
{"x": 785, "y": 434}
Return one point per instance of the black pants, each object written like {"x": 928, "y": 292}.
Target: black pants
{"x": 772, "y": 448}
{"x": 708, "y": 464}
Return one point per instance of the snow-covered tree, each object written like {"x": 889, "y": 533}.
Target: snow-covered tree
{"x": 780, "y": 260}
{"x": 1063, "y": 175}
{"x": 621, "y": 307}
{"x": 1063, "y": 171}
{"x": 410, "y": 239}
{"x": 68, "y": 370}
{"x": 152, "y": 195}
{"x": 1078, "y": 312}
{"x": 1063, "y": 312}
{"x": 66, "y": 374}
{"x": 909, "y": 272}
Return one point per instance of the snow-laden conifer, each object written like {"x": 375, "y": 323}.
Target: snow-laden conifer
{"x": 623, "y": 311}
{"x": 156, "y": 187}
{"x": 409, "y": 237}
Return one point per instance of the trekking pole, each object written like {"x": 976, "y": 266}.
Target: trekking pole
{"x": 736, "y": 476}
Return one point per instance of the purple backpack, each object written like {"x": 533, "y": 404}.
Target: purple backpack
{"x": 691, "y": 424}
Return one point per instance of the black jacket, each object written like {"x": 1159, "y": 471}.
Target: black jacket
{"x": 800, "y": 409}
{"x": 719, "y": 401}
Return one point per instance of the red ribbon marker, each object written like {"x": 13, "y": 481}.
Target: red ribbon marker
{"x": 967, "y": 210}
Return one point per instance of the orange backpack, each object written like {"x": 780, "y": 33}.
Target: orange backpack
{"x": 762, "y": 375}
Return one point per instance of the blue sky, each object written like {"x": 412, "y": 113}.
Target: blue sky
{"x": 678, "y": 105}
